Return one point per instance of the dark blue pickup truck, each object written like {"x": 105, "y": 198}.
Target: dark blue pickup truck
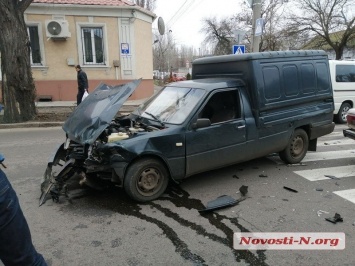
{"x": 236, "y": 108}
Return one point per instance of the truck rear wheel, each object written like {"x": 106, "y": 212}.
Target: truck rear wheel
{"x": 340, "y": 117}
{"x": 296, "y": 148}
{"x": 146, "y": 180}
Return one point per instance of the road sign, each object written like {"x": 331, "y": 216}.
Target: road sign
{"x": 238, "y": 49}
{"x": 259, "y": 27}
{"x": 124, "y": 48}
{"x": 239, "y": 35}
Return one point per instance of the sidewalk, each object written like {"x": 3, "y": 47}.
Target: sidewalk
{"x": 52, "y": 107}
{"x": 128, "y": 106}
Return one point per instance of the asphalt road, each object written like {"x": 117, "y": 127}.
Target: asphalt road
{"x": 107, "y": 228}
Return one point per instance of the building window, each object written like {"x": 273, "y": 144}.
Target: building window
{"x": 35, "y": 49}
{"x": 93, "y": 45}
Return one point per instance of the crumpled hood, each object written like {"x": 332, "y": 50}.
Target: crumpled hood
{"x": 96, "y": 112}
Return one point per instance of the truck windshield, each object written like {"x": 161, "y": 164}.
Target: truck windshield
{"x": 172, "y": 105}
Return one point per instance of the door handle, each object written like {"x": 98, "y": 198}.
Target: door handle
{"x": 240, "y": 127}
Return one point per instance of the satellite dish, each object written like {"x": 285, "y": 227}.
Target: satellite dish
{"x": 54, "y": 28}
{"x": 161, "y": 26}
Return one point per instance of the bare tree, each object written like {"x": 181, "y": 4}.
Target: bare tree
{"x": 18, "y": 89}
{"x": 333, "y": 21}
{"x": 147, "y": 4}
{"x": 273, "y": 35}
{"x": 219, "y": 34}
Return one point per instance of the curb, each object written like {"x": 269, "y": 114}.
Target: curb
{"x": 31, "y": 124}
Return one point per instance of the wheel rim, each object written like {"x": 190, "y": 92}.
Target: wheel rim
{"x": 344, "y": 112}
{"x": 149, "y": 182}
{"x": 297, "y": 147}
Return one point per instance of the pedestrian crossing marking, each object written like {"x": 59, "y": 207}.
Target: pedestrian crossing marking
{"x": 346, "y": 194}
{"x": 319, "y": 156}
{"x": 319, "y": 174}
{"x": 337, "y": 142}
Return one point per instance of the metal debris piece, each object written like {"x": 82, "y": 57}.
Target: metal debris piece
{"x": 332, "y": 177}
{"x": 335, "y": 219}
{"x": 243, "y": 190}
{"x": 320, "y": 212}
{"x": 319, "y": 189}
{"x": 262, "y": 175}
{"x": 297, "y": 164}
{"x": 235, "y": 176}
{"x": 291, "y": 189}
{"x": 221, "y": 202}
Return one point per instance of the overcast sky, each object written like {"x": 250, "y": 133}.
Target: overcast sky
{"x": 185, "y": 20}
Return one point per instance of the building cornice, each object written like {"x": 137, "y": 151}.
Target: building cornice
{"x": 91, "y": 10}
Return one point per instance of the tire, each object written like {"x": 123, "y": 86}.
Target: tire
{"x": 296, "y": 148}
{"x": 340, "y": 117}
{"x": 146, "y": 180}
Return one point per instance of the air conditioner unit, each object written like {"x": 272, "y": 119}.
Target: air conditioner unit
{"x": 57, "y": 29}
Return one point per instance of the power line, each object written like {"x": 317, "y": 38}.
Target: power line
{"x": 177, "y": 12}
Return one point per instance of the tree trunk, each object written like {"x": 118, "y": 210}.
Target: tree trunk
{"x": 18, "y": 88}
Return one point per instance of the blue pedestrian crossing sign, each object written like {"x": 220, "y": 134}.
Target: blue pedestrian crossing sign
{"x": 238, "y": 49}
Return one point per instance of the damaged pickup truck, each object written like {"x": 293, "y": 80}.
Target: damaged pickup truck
{"x": 236, "y": 108}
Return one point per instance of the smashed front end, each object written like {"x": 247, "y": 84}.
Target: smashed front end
{"x": 90, "y": 123}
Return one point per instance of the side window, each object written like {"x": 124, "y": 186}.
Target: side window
{"x": 35, "y": 48}
{"x": 345, "y": 73}
{"x": 222, "y": 106}
{"x": 92, "y": 41}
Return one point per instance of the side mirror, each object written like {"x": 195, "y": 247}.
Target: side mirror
{"x": 201, "y": 122}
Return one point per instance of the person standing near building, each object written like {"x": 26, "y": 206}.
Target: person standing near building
{"x": 16, "y": 248}
{"x": 83, "y": 84}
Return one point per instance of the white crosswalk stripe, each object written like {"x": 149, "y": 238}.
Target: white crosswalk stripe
{"x": 348, "y": 194}
{"x": 318, "y": 156}
{"x": 320, "y": 174}
{"x": 335, "y": 144}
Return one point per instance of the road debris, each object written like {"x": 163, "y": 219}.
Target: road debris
{"x": 235, "y": 176}
{"x": 319, "y": 189}
{"x": 297, "y": 164}
{"x": 243, "y": 190}
{"x": 291, "y": 189}
{"x": 335, "y": 219}
{"x": 263, "y": 175}
{"x": 332, "y": 177}
{"x": 320, "y": 212}
{"x": 221, "y": 202}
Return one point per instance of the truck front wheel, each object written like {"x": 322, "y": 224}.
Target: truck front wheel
{"x": 296, "y": 148}
{"x": 146, "y": 180}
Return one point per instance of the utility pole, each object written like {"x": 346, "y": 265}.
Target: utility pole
{"x": 256, "y": 6}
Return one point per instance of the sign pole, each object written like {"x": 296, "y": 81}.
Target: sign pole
{"x": 256, "y": 14}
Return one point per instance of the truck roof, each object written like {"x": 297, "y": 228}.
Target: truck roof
{"x": 209, "y": 83}
{"x": 255, "y": 56}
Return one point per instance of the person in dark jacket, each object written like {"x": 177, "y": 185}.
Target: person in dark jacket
{"x": 16, "y": 248}
{"x": 83, "y": 84}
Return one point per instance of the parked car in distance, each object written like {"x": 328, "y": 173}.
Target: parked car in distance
{"x": 178, "y": 77}
{"x": 342, "y": 74}
{"x": 350, "y": 117}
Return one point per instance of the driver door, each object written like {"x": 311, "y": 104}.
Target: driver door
{"x": 224, "y": 141}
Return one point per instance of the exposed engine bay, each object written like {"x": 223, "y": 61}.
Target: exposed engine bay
{"x": 88, "y": 162}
